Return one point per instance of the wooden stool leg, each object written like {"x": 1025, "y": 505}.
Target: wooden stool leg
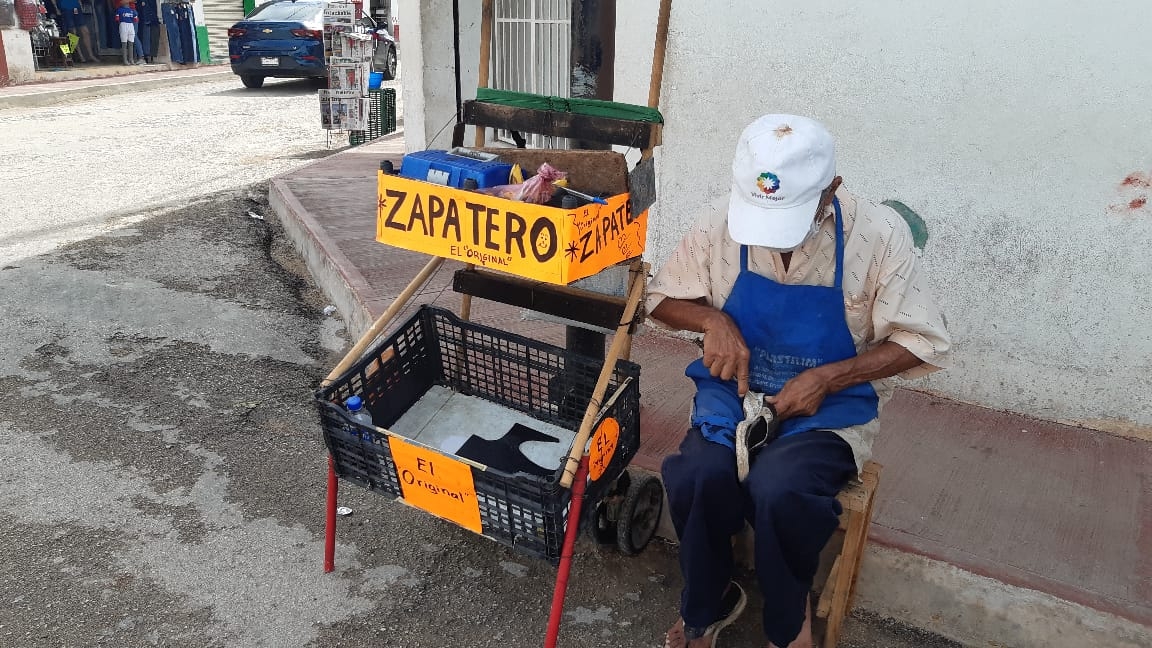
{"x": 863, "y": 544}
{"x": 845, "y": 575}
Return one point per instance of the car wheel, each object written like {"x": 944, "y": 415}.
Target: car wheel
{"x": 252, "y": 81}
{"x": 389, "y": 64}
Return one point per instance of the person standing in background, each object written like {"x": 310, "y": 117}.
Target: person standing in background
{"x": 85, "y": 26}
{"x": 49, "y": 9}
{"x": 73, "y": 20}
{"x": 69, "y": 12}
{"x": 148, "y": 28}
{"x": 126, "y": 18}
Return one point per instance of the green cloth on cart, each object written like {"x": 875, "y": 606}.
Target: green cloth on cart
{"x": 590, "y": 107}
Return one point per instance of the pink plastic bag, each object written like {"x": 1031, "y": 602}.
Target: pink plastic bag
{"x": 537, "y": 190}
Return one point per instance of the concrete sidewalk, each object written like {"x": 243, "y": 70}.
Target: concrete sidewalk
{"x": 99, "y": 81}
{"x": 991, "y": 529}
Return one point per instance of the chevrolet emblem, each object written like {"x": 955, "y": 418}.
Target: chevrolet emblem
{"x": 266, "y": 31}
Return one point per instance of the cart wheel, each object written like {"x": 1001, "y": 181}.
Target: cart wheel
{"x": 601, "y": 529}
{"x": 639, "y": 514}
{"x": 600, "y": 519}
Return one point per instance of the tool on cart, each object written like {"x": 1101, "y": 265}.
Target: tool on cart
{"x": 591, "y": 199}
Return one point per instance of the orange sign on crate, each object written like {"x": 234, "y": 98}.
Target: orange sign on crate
{"x": 437, "y": 484}
{"x": 603, "y": 448}
{"x": 549, "y": 244}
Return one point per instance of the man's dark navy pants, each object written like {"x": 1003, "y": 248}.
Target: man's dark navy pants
{"x": 789, "y": 498}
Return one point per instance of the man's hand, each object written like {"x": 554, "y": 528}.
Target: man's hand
{"x": 802, "y": 395}
{"x": 725, "y": 354}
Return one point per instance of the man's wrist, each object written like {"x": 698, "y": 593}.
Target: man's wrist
{"x": 832, "y": 375}
{"x": 712, "y": 320}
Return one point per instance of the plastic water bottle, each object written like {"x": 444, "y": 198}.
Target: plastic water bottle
{"x": 356, "y": 410}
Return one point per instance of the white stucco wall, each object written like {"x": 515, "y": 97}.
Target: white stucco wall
{"x": 1010, "y": 129}
{"x": 18, "y": 54}
{"x": 1008, "y": 126}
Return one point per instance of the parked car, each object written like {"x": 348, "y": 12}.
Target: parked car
{"x": 384, "y": 59}
{"x": 285, "y": 39}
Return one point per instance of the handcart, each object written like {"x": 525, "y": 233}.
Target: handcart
{"x": 438, "y": 376}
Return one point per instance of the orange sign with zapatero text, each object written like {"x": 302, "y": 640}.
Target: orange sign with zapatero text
{"x": 539, "y": 242}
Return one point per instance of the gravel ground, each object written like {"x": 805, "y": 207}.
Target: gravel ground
{"x": 74, "y": 166}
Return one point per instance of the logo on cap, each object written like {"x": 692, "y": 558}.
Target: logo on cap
{"x": 768, "y": 182}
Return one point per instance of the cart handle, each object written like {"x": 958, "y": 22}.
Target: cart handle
{"x": 619, "y": 342}
{"x": 384, "y": 320}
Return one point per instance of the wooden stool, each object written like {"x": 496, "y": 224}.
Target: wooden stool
{"x": 840, "y": 586}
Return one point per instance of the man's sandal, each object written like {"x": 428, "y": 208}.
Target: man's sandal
{"x": 731, "y": 605}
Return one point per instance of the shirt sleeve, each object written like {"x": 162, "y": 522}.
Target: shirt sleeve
{"x": 685, "y": 275}
{"x": 904, "y": 311}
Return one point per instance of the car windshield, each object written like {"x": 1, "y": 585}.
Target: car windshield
{"x": 288, "y": 12}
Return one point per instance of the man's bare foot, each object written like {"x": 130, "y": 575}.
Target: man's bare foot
{"x": 804, "y": 639}
{"x": 676, "y": 639}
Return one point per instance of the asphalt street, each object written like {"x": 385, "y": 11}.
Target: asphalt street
{"x": 163, "y": 472}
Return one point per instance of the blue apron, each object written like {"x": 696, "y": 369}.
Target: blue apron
{"x": 788, "y": 329}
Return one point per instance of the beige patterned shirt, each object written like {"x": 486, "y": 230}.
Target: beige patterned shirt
{"x": 885, "y": 294}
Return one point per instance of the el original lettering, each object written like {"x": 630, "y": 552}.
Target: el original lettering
{"x": 435, "y": 489}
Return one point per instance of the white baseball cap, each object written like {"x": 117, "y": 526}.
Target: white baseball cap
{"x": 783, "y": 163}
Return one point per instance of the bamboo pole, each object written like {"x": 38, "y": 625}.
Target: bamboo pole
{"x": 658, "y": 53}
{"x": 487, "y": 18}
{"x": 384, "y": 320}
{"x": 622, "y": 337}
{"x": 638, "y": 272}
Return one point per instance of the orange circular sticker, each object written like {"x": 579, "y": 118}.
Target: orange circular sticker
{"x": 603, "y": 447}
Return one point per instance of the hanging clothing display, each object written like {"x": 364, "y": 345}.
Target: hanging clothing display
{"x": 179, "y": 24}
{"x": 111, "y": 27}
{"x": 148, "y": 31}
{"x": 68, "y": 10}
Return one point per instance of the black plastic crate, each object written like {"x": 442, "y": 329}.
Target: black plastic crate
{"x": 546, "y": 382}
{"x": 381, "y": 116}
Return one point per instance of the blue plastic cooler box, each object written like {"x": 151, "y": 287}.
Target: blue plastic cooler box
{"x": 445, "y": 168}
